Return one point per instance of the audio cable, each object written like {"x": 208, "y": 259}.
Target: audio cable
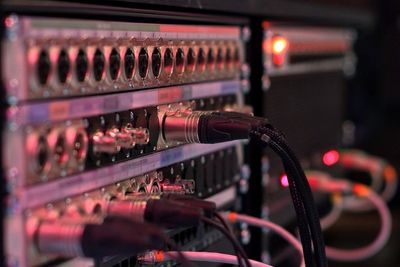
{"x": 323, "y": 182}
{"x": 334, "y": 214}
{"x": 308, "y": 219}
{"x": 215, "y": 127}
{"x": 171, "y": 211}
{"x": 112, "y": 236}
{"x": 379, "y": 169}
{"x": 209, "y": 210}
{"x": 100, "y": 237}
{"x": 213, "y": 257}
{"x": 234, "y": 217}
{"x": 240, "y": 253}
{"x": 160, "y": 211}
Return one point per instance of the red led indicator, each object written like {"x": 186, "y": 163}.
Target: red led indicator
{"x": 331, "y": 157}
{"x": 280, "y": 46}
{"x": 284, "y": 181}
{"x": 9, "y": 22}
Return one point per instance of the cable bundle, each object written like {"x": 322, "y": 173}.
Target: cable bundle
{"x": 215, "y": 127}
{"x": 306, "y": 212}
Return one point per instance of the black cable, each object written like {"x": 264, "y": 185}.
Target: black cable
{"x": 296, "y": 174}
{"x": 182, "y": 258}
{"x": 241, "y": 253}
{"x": 298, "y": 202}
{"x": 222, "y": 221}
{"x": 302, "y": 221}
{"x": 216, "y": 127}
{"x": 308, "y": 206}
{"x": 224, "y": 224}
{"x": 315, "y": 226}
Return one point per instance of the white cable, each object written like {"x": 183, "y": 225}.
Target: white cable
{"x": 323, "y": 182}
{"x": 234, "y": 217}
{"x": 334, "y": 214}
{"x": 391, "y": 182}
{"x": 359, "y": 205}
{"x": 359, "y": 160}
{"x": 379, "y": 242}
{"x": 207, "y": 257}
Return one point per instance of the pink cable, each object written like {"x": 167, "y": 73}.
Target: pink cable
{"x": 210, "y": 257}
{"x": 379, "y": 242}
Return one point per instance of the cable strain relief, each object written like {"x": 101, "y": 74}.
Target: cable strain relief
{"x": 219, "y": 127}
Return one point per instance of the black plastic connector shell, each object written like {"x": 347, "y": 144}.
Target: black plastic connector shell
{"x": 208, "y": 207}
{"x": 220, "y": 127}
{"x": 120, "y": 236}
{"x": 171, "y": 213}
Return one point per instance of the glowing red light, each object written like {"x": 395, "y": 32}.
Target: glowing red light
{"x": 331, "y": 157}
{"x": 9, "y": 22}
{"x": 284, "y": 181}
{"x": 280, "y": 46}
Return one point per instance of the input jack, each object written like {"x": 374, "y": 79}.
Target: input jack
{"x": 220, "y": 59}
{"x": 78, "y": 145}
{"x": 114, "y": 64}
{"x": 57, "y": 142}
{"x": 143, "y": 63}
{"x": 99, "y": 62}
{"x": 140, "y": 136}
{"x": 63, "y": 66}
{"x": 180, "y": 61}
{"x": 191, "y": 60}
{"x": 142, "y": 188}
{"x": 155, "y": 188}
{"x": 168, "y": 61}
{"x": 43, "y": 67}
{"x": 129, "y": 63}
{"x": 228, "y": 58}
{"x": 201, "y": 60}
{"x": 81, "y": 66}
{"x": 210, "y": 59}
{"x": 123, "y": 140}
{"x": 104, "y": 144}
{"x": 236, "y": 57}
{"x": 156, "y": 62}
{"x": 38, "y": 153}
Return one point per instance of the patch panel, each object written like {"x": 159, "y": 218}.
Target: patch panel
{"x": 55, "y": 151}
{"x": 87, "y": 134}
{"x": 62, "y": 149}
{"x": 176, "y": 178}
{"x": 65, "y": 59}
